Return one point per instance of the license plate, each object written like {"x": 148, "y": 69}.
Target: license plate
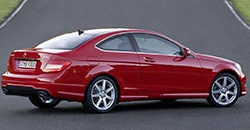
{"x": 26, "y": 64}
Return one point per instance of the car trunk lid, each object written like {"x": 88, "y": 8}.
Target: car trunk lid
{"x": 28, "y": 61}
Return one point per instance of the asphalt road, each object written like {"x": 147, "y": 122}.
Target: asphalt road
{"x": 205, "y": 26}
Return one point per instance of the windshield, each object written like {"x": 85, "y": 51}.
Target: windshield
{"x": 67, "y": 41}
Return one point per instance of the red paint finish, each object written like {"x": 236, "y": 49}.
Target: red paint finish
{"x": 65, "y": 73}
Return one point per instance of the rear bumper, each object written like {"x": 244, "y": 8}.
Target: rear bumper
{"x": 30, "y": 85}
{"x": 22, "y": 91}
{"x": 17, "y": 84}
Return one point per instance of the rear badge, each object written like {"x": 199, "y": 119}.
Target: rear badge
{"x": 24, "y": 55}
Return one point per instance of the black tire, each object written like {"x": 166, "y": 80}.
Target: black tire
{"x": 36, "y": 101}
{"x": 225, "y": 90}
{"x": 101, "y": 95}
{"x": 170, "y": 100}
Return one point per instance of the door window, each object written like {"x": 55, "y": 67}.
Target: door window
{"x": 155, "y": 44}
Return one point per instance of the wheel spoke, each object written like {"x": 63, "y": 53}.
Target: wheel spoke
{"x": 218, "y": 84}
{"x": 95, "y": 95}
{"x": 110, "y": 98}
{"x": 226, "y": 97}
{"x": 103, "y": 84}
{"x": 105, "y": 103}
{"x": 231, "y": 85}
{"x": 225, "y": 81}
{"x": 216, "y": 92}
{"x": 99, "y": 102}
{"x": 108, "y": 90}
{"x": 97, "y": 87}
{"x": 231, "y": 93}
{"x": 220, "y": 98}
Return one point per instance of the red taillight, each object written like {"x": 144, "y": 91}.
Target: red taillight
{"x": 56, "y": 66}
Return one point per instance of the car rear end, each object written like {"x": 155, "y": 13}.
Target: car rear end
{"x": 31, "y": 72}
{"x": 42, "y": 69}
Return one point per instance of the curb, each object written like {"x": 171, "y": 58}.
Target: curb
{"x": 12, "y": 14}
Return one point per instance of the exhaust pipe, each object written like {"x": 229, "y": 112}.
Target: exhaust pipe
{"x": 5, "y": 91}
{"x": 45, "y": 98}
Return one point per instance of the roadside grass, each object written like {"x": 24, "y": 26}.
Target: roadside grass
{"x": 6, "y": 7}
{"x": 243, "y": 7}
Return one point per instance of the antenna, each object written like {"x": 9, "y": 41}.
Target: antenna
{"x": 80, "y": 31}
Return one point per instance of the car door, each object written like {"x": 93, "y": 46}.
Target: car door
{"x": 163, "y": 68}
{"x": 119, "y": 54}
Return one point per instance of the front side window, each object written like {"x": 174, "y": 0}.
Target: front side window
{"x": 117, "y": 43}
{"x": 154, "y": 44}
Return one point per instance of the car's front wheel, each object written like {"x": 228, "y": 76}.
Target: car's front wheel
{"x": 224, "y": 91}
{"x": 101, "y": 95}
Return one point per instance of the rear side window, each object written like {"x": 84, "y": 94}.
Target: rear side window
{"x": 67, "y": 41}
{"x": 117, "y": 43}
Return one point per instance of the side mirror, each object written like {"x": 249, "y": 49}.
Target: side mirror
{"x": 186, "y": 52}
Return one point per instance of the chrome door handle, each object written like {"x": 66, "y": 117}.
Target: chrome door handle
{"x": 148, "y": 59}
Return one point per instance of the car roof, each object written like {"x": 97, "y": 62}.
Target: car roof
{"x": 112, "y": 30}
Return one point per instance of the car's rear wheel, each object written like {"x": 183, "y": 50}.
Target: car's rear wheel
{"x": 101, "y": 95}
{"x": 43, "y": 101}
{"x": 224, "y": 91}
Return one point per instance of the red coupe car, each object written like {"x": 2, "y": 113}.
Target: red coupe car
{"x": 101, "y": 67}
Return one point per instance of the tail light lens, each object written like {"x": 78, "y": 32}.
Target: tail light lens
{"x": 56, "y": 66}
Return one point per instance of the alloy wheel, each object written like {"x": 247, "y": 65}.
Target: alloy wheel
{"x": 224, "y": 90}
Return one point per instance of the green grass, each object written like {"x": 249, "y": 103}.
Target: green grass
{"x": 6, "y": 7}
{"x": 243, "y": 7}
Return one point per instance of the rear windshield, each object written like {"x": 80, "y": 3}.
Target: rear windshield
{"x": 67, "y": 41}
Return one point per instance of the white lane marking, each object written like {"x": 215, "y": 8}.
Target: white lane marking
{"x": 13, "y": 14}
{"x": 226, "y": 1}
{"x": 235, "y": 14}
